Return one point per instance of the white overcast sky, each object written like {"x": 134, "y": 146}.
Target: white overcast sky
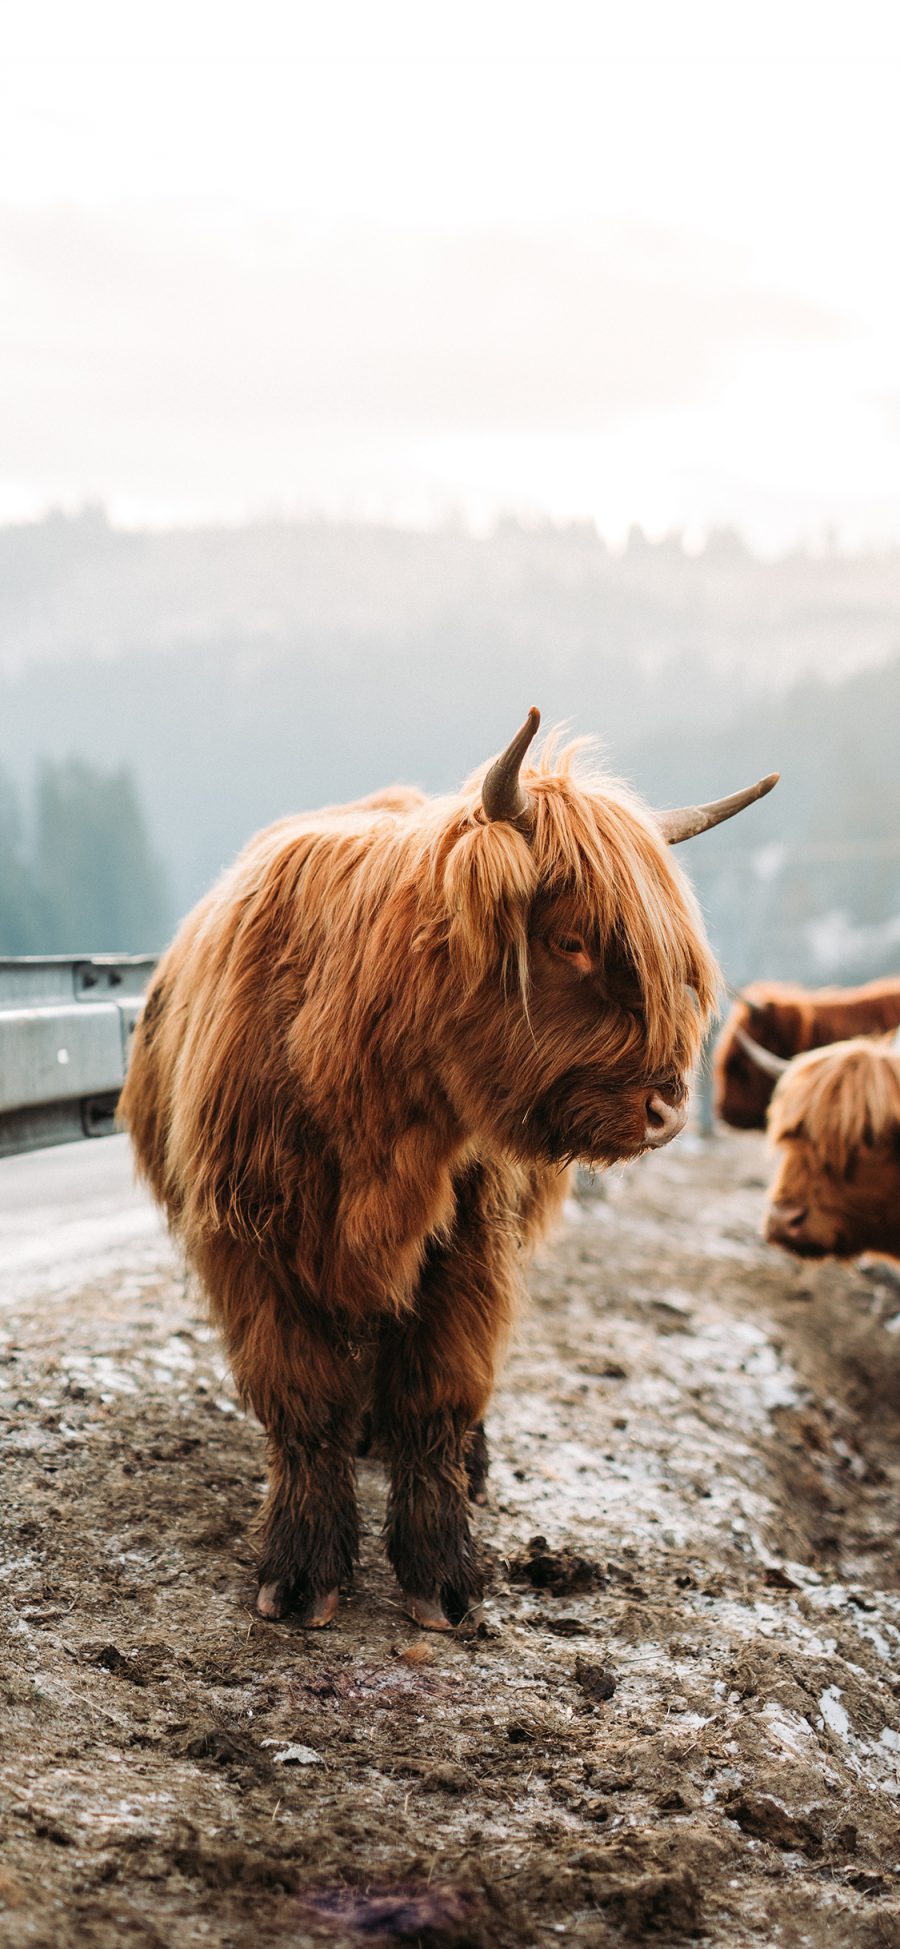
{"x": 400, "y": 261}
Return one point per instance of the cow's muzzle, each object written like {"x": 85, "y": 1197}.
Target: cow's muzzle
{"x": 785, "y": 1225}
{"x": 664, "y": 1121}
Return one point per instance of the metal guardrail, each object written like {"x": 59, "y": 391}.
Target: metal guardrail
{"x": 65, "y": 1029}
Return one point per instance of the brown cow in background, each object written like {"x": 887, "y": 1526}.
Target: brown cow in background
{"x": 360, "y": 1073}
{"x": 786, "y": 1019}
{"x": 835, "y": 1122}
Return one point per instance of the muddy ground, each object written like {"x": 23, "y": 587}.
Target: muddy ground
{"x": 679, "y": 1721}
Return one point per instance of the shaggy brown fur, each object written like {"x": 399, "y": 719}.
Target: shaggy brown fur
{"x": 361, "y": 1070}
{"x": 789, "y": 1020}
{"x": 835, "y": 1122}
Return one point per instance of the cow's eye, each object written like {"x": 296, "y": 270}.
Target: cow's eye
{"x": 573, "y": 949}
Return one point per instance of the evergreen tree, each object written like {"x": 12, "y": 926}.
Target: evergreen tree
{"x": 22, "y": 914}
{"x": 102, "y": 884}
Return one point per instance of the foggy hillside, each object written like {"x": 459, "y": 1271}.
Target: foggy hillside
{"x": 76, "y": 586}
{"x": 241, "y": 674}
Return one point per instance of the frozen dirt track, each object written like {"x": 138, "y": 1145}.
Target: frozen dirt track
{"x": 72, "y": 1218}
{"x": 681, "y": 1719}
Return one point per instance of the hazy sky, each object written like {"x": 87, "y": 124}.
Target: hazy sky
{"x": 398, "y": 261}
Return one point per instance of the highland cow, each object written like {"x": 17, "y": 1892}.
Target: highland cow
{"x": 787, "y": 1020}
{"x": 835, "y": 1123}
{"x": 362, "y": 1069}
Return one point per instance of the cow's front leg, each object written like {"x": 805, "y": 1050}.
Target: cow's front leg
{"x": 308, "y": 1523}
{"x": 429, "y": 1540}
{"x": 294, "y": 1366}
{"x": 433, "y": 1381}
{"x": 478, "y": 1462}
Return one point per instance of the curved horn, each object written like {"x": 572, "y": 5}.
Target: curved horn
{"x": 740, "y": 995}
{"x": 691, "y": 819}
{"x": 765, "y": 1059}
{"x": 501, "y": 794}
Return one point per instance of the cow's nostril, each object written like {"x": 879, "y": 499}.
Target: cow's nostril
{"x": 663, "y": 1120}
{"x": 791, "y": 1218}
{"x": 786, "y": 1225}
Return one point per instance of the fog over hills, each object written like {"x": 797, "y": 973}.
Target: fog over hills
{"x": 75, "y": 586}
{"x": 238, "y": 674}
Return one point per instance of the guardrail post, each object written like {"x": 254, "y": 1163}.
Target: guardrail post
{"x": 65, "y": 1027}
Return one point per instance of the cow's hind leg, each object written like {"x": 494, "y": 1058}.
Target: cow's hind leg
{"x": 294, "y": 1368}
{"x": 433, "y": 1381}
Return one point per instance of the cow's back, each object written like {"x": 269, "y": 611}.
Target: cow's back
{"x": 210, "y": 1038}
{"x": 789, "y": 1020}
{"x": 841, "y": 1013}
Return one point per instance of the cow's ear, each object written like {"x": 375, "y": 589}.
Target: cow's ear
{"x": 489, "y": 884}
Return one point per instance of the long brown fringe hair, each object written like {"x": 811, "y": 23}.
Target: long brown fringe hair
{"x": 840, "y": 1098}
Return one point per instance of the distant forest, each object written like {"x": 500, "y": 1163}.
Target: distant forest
{"x": 180, "y": 690}
{"x": 77, "y": 873}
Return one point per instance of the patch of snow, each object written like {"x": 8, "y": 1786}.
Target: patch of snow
{"x": 57, "y": 1258}
{"x": 833, "y": 1713}
{"x": 295, "y": 1755}
{"x": 674, "y": 1300}
{"x": 173, "y": 1353}
{"x": 98, "y": 1374}
{"x": 801, "y": 1573}
{"x": 792, "y": 1731}
{"x": 876, "y": 1629}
